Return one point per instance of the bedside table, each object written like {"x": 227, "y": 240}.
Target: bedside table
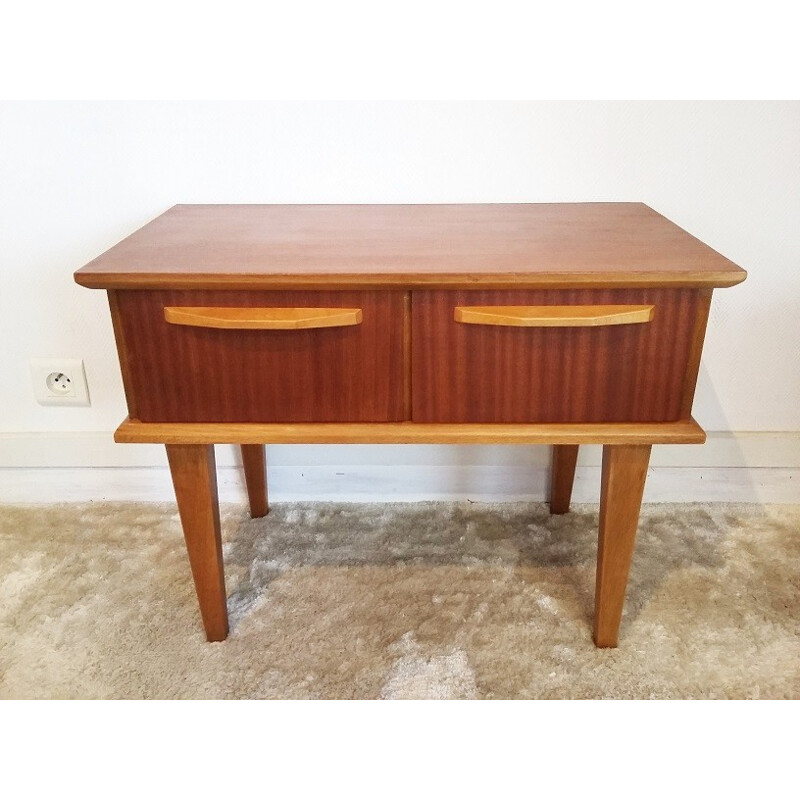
{"x": 560, "y": 324}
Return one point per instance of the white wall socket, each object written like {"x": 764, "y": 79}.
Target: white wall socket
{"x": 59, "y": 382}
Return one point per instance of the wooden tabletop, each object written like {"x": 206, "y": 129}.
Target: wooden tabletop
{"x": 555, "y": 245}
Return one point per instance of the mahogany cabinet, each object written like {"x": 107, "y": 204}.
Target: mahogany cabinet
{"x": 527, "y": 323}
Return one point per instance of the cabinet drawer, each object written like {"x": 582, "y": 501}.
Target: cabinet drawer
{"x": 556, "y": 356}
{"x": 249, "y": 356}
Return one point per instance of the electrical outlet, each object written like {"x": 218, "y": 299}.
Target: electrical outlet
{"x": 59, "y": 382}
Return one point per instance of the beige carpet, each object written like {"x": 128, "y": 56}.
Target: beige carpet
{"x": 398, "y": 601}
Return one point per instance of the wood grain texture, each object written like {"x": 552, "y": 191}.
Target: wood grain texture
{"x": 254, "y": 463}
{"x": 175, "y": 373}
{"x": 683, "y": 432}
{"x": 492, "y": 374}
{"x": 407, "y": 355}
{"x": 562, "y": 477}
{"x": 622, "y": 485}
{"x": 194, "y": 477}
{"x": 557, "y": 245}
{"x": 553, "y": 316}
{"x": 262, "y": 319}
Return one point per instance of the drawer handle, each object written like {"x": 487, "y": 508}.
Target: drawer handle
{"x": 269, "y": 319}
{"x": 553, "y": 316}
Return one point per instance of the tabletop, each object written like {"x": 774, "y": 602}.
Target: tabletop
{"x": 548, "y": 245}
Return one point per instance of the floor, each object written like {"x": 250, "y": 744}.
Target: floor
{"x": 422, "y": 600}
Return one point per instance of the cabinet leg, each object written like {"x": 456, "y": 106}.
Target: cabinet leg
{"x": 562, "y": 476}
{"x": 194, "y": 477}
{"x": 624, "y": 473}
{"x": 254, "y": 460}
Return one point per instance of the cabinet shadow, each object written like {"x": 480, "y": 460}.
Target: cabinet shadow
{"x": 514, "y": 536}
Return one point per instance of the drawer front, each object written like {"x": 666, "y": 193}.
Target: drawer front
{"x": 545, "y": 356}
{"x": 289, "y": 356}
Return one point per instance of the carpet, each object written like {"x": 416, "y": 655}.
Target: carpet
{"x": 424, "y": 600}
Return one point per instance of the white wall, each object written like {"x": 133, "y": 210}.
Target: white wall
{"x": 75, "y": 178}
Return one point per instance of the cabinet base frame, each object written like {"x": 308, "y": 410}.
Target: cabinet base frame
{"x": 682, "y": 432}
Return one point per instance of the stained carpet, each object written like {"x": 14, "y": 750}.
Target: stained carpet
{"x": 426, "y": 600}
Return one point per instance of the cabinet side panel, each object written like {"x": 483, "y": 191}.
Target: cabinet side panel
{"x": 122, "y": 351}
{"x": 696, "y": 351}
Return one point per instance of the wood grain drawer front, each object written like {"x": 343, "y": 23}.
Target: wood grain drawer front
{"x": 293, "y": 356}
{"x": 556, "y": 356}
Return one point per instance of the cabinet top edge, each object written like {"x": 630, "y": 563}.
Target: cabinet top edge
{"x": 518, "y": 244}
{"x": 409, "y": 281}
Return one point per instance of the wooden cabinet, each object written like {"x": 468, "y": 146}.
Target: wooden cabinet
{"x": 562, "y": 324}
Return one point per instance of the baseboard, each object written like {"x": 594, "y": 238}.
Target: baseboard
{"x": 723, "y": 449}
{"x": 359, "y": 483}
{"x": 66, "y": 466}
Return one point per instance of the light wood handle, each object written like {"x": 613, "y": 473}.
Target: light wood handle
{"x": 270, "y": 319}
{"x": 553, "y": 316}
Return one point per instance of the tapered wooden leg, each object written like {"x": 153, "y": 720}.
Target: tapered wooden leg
{"x": 624, "y": 473}
{"x": 254, "y": 460}
{"x": 562, "y": 476}
{"x": 194, "y": 477}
